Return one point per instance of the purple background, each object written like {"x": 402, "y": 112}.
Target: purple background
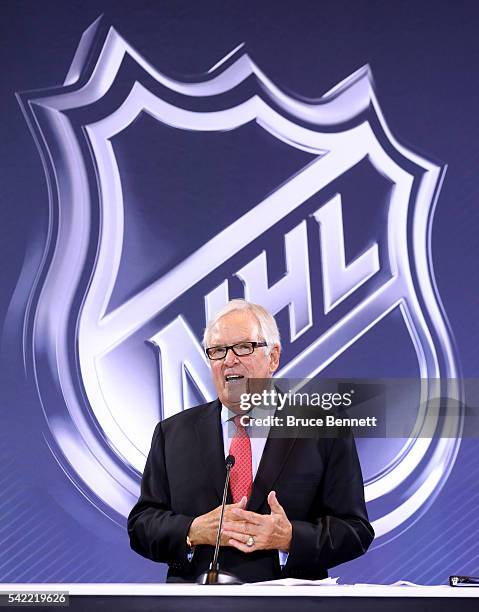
{"x": 424, "y": 59}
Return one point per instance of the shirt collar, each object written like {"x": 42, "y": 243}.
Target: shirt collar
{"x": 255, "y": 412}
{"x": 227, "y": 414}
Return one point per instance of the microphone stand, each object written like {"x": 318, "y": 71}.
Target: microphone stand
{"x": 214, "y": 575}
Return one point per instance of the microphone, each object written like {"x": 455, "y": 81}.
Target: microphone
{"x": 214, "y": 575}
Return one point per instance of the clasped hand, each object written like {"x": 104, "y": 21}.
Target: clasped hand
{"x": 268, "y": 531}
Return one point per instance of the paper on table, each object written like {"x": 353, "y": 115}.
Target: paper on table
{"x": 296, "y": 582}
{"x": 401, "y": 583}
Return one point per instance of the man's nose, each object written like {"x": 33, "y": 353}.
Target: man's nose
{"x": 231, "y": 358}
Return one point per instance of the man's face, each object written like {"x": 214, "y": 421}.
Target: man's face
{"x": 239, "y": 326}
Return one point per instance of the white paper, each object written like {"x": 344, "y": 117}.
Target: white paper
{"x": 401, "y": 583}
{"x": 297, "y": 582}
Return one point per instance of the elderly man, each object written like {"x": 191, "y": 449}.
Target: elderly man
{"x": 295, "y": 506}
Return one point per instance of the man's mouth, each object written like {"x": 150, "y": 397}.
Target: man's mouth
{"x": 232, "y": 378}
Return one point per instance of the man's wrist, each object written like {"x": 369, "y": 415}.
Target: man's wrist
{"x": 190, "y": 549}
{"x": 191, "y": 535}
{"x": 287, "y": 545}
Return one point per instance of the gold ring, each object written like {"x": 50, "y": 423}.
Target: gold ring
{"x": 250, "y": 541}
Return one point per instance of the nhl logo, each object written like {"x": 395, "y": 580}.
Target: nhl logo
{"x": 170, "y": 197}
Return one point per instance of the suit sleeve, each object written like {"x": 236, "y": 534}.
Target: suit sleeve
{"x": 340, "y": 531}
{"x": 155, "y": 531}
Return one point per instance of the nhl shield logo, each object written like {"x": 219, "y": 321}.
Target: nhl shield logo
{"x": 170, "y": 197}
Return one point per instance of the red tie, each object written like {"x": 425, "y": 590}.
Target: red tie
{"x": 241, "y": 478}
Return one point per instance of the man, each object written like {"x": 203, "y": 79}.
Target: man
{"x": 296, "y": 505}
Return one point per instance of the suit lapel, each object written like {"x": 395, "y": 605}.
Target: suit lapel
{"x": 211, "y": 449}
{"x": 275, "y": 455}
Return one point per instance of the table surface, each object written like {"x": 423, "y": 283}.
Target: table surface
{"x": 248, "y": 590}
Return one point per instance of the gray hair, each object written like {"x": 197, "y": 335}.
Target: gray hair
{"x": 267, "y": 324}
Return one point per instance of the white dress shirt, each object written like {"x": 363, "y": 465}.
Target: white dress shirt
{"x": 257, "y": 435}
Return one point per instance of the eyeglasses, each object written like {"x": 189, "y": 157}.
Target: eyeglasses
{"x": 240, "y": 349}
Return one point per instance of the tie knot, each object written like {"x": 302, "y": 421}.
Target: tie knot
{"x": 241, "y": 421}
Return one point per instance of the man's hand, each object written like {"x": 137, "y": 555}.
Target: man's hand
{"x": 269, "y": 531}
{"x": 204, "y": 528}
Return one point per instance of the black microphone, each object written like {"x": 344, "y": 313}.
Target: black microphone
{"x": 230, "y": 461}
{"x": 214, "y": 575}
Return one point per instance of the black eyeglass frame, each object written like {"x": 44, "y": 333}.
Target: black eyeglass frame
{"x": 254, "y": 346}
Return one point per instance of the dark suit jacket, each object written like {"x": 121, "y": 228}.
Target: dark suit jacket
{"x": 318, "y": 482}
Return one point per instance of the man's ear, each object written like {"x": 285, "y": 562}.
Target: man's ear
{"x": 274, "y": 358}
